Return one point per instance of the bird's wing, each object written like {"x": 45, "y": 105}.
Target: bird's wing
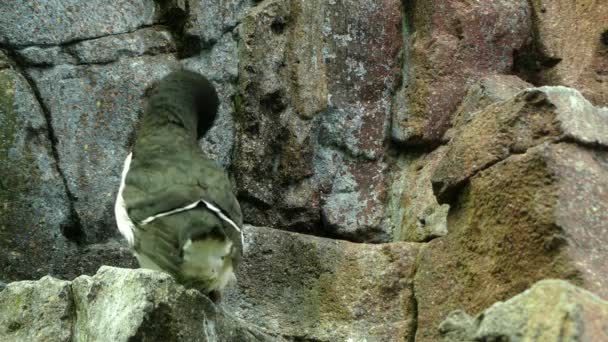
{"x": 183, "y": 183}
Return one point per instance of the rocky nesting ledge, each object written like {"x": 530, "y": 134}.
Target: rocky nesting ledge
{"x": 410, "y": 170}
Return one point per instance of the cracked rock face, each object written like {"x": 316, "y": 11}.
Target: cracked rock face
{"x": 34, "y": 206}
{"x": 331, "y": 119}
{"x": 312, "y": 115}
{"x": 320, "y": 289}
{"x": 55, "y": 22}
{"x": 526, "y": 181}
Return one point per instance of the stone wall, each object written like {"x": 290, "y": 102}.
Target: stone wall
{"x": 397, "y": 159}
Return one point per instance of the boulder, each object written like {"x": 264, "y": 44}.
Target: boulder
{"x": 536, "y": 215}
{"x": 116, "y": 305}
{"x": 534, "y": 116}
{"x": 551, "y": 310}
{"x": 316, "y": 289}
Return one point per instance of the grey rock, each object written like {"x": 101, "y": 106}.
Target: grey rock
{"x": 208, "y": 20}
{"x": 94, "y": 111}
{"x": 310, "y": 288}
{"x": 24, "y": 23}
{"x": 116, "y": 305}
{"x": 146, "y": 41}
{"x": 551, "y": 310}
{"x": 580, "y": 120}
{"x": 34, "y": 206}
{"x": 37, "y": 311}
{"x": 45, "y": 56}
{"x": 151, "y": 307}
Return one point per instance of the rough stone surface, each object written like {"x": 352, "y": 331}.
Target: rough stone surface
{"x": 116, "y": 305}
{"x": 532, "y": 117}
{"x": 37, "y": 311}
{"x": 488, "y": 90}
{"x": 570, "y": 47}
{"x": 208, "y": 20}
{"x": 552, "y": 310}
{"x": 147, "y": 41}
{"x": 413, "y": 208}
{"x": 541, "y": 214}
{"x": 450, "y": 44}
{"x": 34, "y": 206}
{"x": 309, "y": 288}
{"x": 56, "y": 22}
{"x": 312, "y": 115}
{"x": 94, "y": 110}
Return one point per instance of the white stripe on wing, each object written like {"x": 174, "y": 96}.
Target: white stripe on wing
{"x": 193, "y": 205}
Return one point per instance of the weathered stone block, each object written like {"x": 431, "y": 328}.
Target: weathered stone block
{"x": 570, "y": 47}
{"x": 534, "y": 116}
{"x": 413, "y": 208}
{"x": 450, "y": 44}
{"x": 306, "y": 287}
{"x": 312, "y": 110}
{"x": 541, "y": 214}
{"x": 116, "y": 305}
{"x": 38, "y": 22}
{"x": 37, "y": 311}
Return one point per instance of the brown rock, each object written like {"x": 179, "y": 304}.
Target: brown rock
{"x": 570, "y": 47}
{"x": 314, "y": 93}
{"x": 486, "y": 91}
{"x": 541, "y": 214}
{"x": 551, "y": 310}
{"x": 532, "y": 117}
{"x": 449, "y": 44}
{"x": 308, "y": 288}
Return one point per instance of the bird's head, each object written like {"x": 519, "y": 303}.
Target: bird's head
{"x": 184, "y": 98}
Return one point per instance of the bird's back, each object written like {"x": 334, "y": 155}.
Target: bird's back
{"x": 180, "y": 206}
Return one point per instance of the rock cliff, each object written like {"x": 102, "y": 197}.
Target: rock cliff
{"x": 395, "y": 160}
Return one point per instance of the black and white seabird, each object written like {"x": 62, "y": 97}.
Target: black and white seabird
{"x": 175, "y": 207}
